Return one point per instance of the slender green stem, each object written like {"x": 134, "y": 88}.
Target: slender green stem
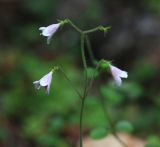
{"x": 102, "y": 100}
{"x": 83, "y": 52}
{"x": 92, "y": 30}
{"x": 89, "y": 48}
{"x": 85, "y": 80}
{"x": 85, "y": 88}
{"x": 70, "y": 82}
{"x": 99, "y": 28}
{"x": 81, "y": 122}
{"x": 84, "y": 64}
{"x": 114, "y": 133}
{"x": 74, "y": 26}
{"x": 92, "y": 79}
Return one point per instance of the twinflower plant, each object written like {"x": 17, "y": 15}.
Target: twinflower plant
{"x": 102, "y": 65}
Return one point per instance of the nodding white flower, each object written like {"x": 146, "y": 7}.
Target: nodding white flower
{"x": 49, "y": 31}
{"x": 45, "y": 82}
{"x": 118, "y": 74}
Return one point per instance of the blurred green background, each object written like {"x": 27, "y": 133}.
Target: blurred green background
{"x": 30, "y": 118}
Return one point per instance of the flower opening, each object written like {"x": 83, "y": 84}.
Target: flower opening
{"x": 45, "y": 82}
{"x": 118, "y": 74}
{"x": 49, "y": 31}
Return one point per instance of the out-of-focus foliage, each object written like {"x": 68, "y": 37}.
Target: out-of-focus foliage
{"x": 153, "y": 141}
{"x": 98, "y": 133}
{"x": 30, "y": 118}
{"x": 154, "y": 5}
{"x": 124, "y": 126}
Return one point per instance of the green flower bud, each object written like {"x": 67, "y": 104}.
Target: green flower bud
{"x": 104, "y": 65}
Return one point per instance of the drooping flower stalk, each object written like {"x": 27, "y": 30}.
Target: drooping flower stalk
{"x": 74, "y": 26}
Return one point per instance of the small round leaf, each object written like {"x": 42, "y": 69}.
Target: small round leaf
{"x": 98, "y": 133}
{"x": 124, "y": 126}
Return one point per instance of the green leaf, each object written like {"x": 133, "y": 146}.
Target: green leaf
{"x": 153, "y": 141}
{"x": 112, "y": 95}
{"x": 98, "y": 133}
{"x": 144, "y": 71}
{"x": 132, "y": 89}
{"x": 91, "y": 72}
{"x": 152, "y": 145}
{"x": 124, "y": 126}
{"x": 56, "y": 124}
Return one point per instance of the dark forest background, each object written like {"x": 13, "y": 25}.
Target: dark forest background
{"x": 30, "y": 118}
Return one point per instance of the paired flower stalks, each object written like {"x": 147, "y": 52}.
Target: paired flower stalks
{"x": 101, "y": 65}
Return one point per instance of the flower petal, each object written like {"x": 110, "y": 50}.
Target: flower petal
{"x": 118, "y": 74}
{"x": 50, "y": 30}
{"x": 124, "y": 74}
{"x": 46, "y": 80}
{"x": 42, "y": 28}
{"x": 48, "y": 89}
{"x": 37, "y": 84}
{"x": 118, "y": 80}
{"x": 49, "y": 39}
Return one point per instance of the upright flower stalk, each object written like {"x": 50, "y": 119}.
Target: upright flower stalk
{"x": 117, "y": 73}
{"x": 85, "y": 88}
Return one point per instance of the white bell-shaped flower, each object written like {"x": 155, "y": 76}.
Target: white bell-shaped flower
{"x": 45, "y": 82}
{"x": 118, "y": 74}
{"x": 49, "y": 31}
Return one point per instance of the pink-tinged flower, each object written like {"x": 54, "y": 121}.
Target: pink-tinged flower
{"x": 45, "y": 82}
{"x": 49, "y": 31}
{"x": 118, "y": 74}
